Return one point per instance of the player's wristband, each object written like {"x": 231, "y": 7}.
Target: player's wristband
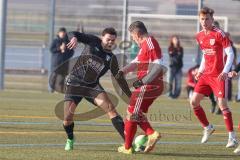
{"x": 138, "y": 83}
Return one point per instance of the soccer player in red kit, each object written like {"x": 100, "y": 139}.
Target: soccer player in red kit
{"x": 213, "y": 73}
{"x": 148, "y": 86}
{"x": 233, "y": 74}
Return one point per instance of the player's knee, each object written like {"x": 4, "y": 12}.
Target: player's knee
{"x": 67, "y": 123}
{"x": 68, "y": 117}
{"x": 223, "y": 107}
{"x": 193, "y": 103}
{"x": 109, "y": 108}
{"x": 222, "y": 103}
{"x": 112, "y": 113}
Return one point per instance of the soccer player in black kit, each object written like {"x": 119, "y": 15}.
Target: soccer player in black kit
{"x": 83, "y": 80}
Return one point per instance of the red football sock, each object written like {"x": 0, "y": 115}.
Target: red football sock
{"x": 130, "y": 131}
{"x": 227, "y": 116}
{"x": 200, "y": 114}
{"x": 146, "y": 127}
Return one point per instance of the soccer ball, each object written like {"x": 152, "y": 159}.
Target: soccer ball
{"x": 140, "y": 143}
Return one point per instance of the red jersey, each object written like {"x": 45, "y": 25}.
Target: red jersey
{"x": 212, "y": 45}
{"x": 150, "y": 52}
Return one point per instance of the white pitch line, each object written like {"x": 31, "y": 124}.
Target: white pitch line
{"x": 103, "y": 143}
{"x": 155, "y": 124}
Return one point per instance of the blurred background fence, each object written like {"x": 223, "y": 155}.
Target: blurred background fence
{"x": 27, "y": 48}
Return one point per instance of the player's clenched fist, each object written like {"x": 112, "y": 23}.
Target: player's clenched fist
{"x": 232, "y": 74}
{"x": 198, "y": 75}
{"x": 223, "y": 76}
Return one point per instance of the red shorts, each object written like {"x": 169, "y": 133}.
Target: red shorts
{"x": 143, "y": 97}
{"x": 207, "y": 84}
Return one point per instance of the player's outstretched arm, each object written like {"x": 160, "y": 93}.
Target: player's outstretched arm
{"x": 82, "y": 37}
{"x": 131, "y": 67}
{"x": 119, "y": 76}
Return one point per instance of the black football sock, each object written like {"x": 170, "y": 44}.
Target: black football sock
{"x": 119, "y": 125}
{"x": 69, "y": 130}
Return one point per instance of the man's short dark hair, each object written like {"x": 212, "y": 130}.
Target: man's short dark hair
{"x": 139, "y": 27}
{"x": 62, "y": 29}
{"x": 109, "y": 30}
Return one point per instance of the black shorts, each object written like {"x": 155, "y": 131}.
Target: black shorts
{"x": 76, "y": 94}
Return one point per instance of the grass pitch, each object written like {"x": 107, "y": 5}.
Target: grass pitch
{"x": 29, "y": 130}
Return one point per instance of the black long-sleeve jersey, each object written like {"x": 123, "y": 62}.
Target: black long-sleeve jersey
{"x": 93, "y": 63}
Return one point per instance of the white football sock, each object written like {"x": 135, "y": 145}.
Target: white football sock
{"x": 231, "y": 135}
{"x": 208, "y": 127}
